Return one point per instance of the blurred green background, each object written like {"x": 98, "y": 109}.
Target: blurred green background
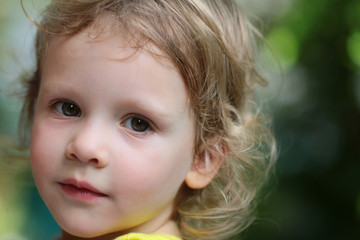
{"x": 314, "y": 98}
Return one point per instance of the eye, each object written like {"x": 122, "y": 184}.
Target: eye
{"x": 68, "y": 109}
{"x": 137, "y": 124}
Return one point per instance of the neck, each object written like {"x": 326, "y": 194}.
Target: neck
{"x": 161, "y": 224}
{"x": 67, "y": 236}
{"x": 169, "y": 228}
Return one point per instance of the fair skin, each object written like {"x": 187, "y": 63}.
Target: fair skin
{"x": 112, "y": 139}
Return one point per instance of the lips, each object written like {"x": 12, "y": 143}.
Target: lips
{"x": 80, "y": 190}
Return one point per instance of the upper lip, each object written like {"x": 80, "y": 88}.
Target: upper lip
{"x": 81, "y": 185}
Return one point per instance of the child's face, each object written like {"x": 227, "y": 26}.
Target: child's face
{"x": 112, "y": 139}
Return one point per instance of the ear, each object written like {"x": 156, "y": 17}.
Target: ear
{"x": 206, "y": 165}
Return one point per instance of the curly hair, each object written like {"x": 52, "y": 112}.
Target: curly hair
{"x": 211, "y": 43}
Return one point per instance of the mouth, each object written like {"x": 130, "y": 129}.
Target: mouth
{"x": 80, "y": 190}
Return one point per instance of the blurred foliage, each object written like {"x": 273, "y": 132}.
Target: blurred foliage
{"x": 316, "y": 121}
{"x": 23, "y": 215}
{"x": 317, "y": 124}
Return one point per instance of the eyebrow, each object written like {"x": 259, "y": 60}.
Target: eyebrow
{"x": 53, "y": 87}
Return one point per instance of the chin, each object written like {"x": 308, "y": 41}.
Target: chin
{"x": 79, "y": 232}
{"x": 80, "y": 229}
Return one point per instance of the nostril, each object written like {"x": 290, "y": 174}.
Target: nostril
{"x": 71, "y": 156}
{"x": 94, "y": 160}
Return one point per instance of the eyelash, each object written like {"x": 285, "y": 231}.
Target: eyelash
{"x": 143, "y": 125}
{"x": 136, "y": 119}
{"x": 60, "y": 105}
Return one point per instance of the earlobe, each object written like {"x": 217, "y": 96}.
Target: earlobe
{"x": 205, "y": 166}
{"x": 196, "y": 180}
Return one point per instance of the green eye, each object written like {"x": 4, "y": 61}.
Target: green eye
{"x": 137, "y": 124}
{"x": 68, "y": 109}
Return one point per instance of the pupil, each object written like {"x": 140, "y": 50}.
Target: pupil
{"x": 70, "y": 109}
{"x": 139, "y": 125}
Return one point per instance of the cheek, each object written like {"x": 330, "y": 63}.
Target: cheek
{"x": 45, "y": 148}
{"x": 159, "y": 168}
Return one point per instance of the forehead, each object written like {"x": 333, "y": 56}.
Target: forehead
{"x": 120, "y": 43}
{"x": 108, "y": 59}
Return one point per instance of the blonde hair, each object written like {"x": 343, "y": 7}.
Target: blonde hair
{"x": 211, "y": 44}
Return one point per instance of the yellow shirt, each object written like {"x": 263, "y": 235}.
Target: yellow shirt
{"x": 142, "y": 236}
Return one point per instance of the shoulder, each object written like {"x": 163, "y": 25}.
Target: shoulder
{"x": 141, "y": 236}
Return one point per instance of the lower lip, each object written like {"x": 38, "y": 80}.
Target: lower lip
{"x": 80, "y": 193}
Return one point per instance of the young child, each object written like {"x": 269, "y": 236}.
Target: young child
{"x": 143, "y": 126}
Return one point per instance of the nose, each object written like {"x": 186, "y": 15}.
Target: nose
{"x": 88, "y": 145}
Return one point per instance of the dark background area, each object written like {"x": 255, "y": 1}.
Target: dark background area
{"x": 314, "y": 100}
{"x": 317, "y": 194}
